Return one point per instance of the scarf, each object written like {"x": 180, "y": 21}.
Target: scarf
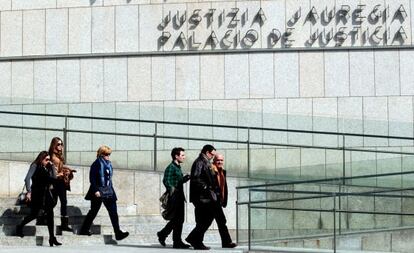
{"x": 105, "y": 172}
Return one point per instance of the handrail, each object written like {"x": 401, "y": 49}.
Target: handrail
{"x": 258, "y": 204}
{"x": 332, "y": 179}
{"x": 315, "y": 194}
{"x": 208, "y": 139}
{"x": 330, "y": 210}
{"x": 210, "y": 125}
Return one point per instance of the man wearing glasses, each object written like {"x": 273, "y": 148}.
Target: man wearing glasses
{"x": 202, "y": 195}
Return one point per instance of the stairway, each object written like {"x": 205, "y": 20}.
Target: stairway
{"x": 142, "y": 228}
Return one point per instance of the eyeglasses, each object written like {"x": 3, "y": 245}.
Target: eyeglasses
{"x": 106, "y": 154}
{"x": 60, "y": 144}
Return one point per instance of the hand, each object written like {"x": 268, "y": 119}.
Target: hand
{"x": 172, "y": 190}
{"x": 98, "y": 194}
{"x": 186, "y": 178}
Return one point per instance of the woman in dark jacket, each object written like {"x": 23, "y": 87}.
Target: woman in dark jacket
{"x": 41, "y": 195}
{"x": 102, "y": 191}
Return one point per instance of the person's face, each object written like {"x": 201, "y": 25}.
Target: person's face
{"x": 59, "y": 146}
{"x": 219, "y": 161}
{"x": 181, "y": 157}
{"x": 45, "y": 161}
{"x": 106, "y": 156}
{"x": 211, "y": 154}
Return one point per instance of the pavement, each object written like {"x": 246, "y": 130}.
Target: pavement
{"x": 119, "y": 248}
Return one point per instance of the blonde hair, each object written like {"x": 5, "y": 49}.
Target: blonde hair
{"x": 103, "y": 151}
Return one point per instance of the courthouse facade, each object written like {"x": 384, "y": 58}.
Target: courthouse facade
{"x": 318, "y": 65}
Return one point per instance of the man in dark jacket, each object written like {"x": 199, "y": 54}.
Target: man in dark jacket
{"x": 221, "y": 183}
{"x": 173, "y": 182}
{"x": 202, "y": 195}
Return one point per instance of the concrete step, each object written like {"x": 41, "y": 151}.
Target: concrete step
{"x": 100, "y": 219}
{"x": 106, "y": 229}
{"x": 73, "y": 210}
{"x": 77, "y": 220}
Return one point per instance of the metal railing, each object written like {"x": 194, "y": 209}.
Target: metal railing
{"x": 65, "y": 130}
{"x": 316, "y": 195}
{"x": 248, "y": 142}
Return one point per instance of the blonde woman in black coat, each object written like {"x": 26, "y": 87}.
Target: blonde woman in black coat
{"x": 41, "y": 195}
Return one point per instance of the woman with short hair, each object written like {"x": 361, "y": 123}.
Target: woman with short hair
{"x": 101, "y": 191}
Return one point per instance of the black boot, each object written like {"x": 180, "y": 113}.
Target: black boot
{"x": 53, "y": 241}
{"x": 65, "y": 224}
{"x": 119, "y": 235}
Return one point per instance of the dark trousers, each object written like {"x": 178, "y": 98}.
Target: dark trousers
{"x": 60, "y": 189}
{"x": 221, "y": 224}
{"x": 205, "y": 213}
{"x": 34, "y": 212}
{"x": 96, "y": 203}
{"x": 204, "y": 216}
{"x": 175, "y": 224}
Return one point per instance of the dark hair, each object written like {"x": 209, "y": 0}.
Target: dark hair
{"x": 40, "y": 157}
{"x": 207, "y": 148}
{"x": 176, "y": 151}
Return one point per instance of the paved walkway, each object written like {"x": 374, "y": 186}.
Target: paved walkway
{"x": 120, "y": 248}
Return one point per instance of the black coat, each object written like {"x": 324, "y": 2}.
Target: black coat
{"x": 43, "y": 197}
{"x": 202, "y": 185}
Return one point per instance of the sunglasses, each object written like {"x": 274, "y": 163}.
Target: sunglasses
{"x": 60, "y": 144}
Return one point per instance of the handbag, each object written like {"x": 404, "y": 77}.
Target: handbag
{"x": 106, "y": 191}
{"x": 22, "y": 198}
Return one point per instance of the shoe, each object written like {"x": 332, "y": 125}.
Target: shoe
{"x": 53, "y": 241}
{"x": 88, "y": 233}
{"x": 181, "y": 245}
{"x": 196, "y": 245}
{"x": 19, "y": 231}
{"x": 201, "y": 246}
{"x": 161, "y": 239}
{"x": 65, "y": 224}
{"x": 121, "y": 235}
{"x": 229, "y": 245}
